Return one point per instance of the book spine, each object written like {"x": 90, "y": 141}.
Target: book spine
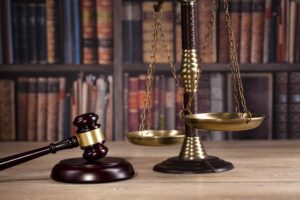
{"x": 32, "y": 110}
{"x": 6, "y": 23}
{"x": 178, "y": 102}
{"x": 67, "y": 117}
{"x": 292, "y": 40}
{"x": 89, "y": 31}
{"x": 156, "y": 99}
{"x": 170, "y": 103}
{"x": 297, "y": 48}
{"x": 42, "y": 109}
{"x": 16, "y": 32}
{"x": 53, "y": 31}
{"x": 235, "y": 15}
{"x": 61, "y": 107}
{"x": 125, "y": 100}
{"x": 132, "y": 32}
{"x": 76, "y": 31}
{"x": 7, "y": 111}
{"x": 281, "y": 32}
{"x": 67, "y": 32}
{"x": 105, "y": 31}
{"x": 141, "y": 98}
{"x": 32, "y": 33}
{"x": 281, "y": 106}
{"x": 109, "y": 112}
{"x": 22, "y": 108}
{"x": 24, "y": 34}
{"x": 274, "y": 34}
{"x": 178, "y": 34}
{"x": 258, "y": 7}
{"x": 147, "y": 27}
{"x": 267, "y": 31}
{"x": 52, "y": 109}
{"x": 245, "y": 42}
{"x": 162, "y": 103}
{"x": 41, "y": 33}
{"x": 223, "y": 50}
{"x": 133, "y": 104}
{"x": 294, "y": 106}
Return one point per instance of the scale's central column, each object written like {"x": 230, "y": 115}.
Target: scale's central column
{"x": 192, "y": 157}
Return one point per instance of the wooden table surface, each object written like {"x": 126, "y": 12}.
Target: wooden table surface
{"x": 263, "y": 170}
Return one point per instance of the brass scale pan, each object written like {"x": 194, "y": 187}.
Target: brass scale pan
{"x": 203, "y": 121}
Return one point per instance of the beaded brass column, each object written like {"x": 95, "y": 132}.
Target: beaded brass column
{"x": 192, "y": 157}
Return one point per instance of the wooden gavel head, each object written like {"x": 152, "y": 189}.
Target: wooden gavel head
{"x": 90, "y": 136}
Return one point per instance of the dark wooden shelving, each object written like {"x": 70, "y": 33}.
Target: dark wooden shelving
{"x": 55, "y": 68}
{"x": 219, "y": 67}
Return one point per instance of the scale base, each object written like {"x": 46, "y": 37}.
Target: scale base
{"x": 210, "y": 164}
{"x": 78, "y": 170}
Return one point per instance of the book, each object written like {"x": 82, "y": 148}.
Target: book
{"x": 156, "y": 99}
{"x": 32, "y": 110}
{"x": 147, "y": 31}
{"x": 223, "y": 47}
{"x": 245, "y": 42}
{"x": 105, "y": 31}
{"x": 294, "y": 106}
{"x": 32, "y": 33}
{"x": 281, "y": 34}
{"x": 217, "y": 101}
{"x": 170, "y": 103}
{"x": 52, "y": 108}
{"x": 145, "y": 104}
{"x": 41, "y": 33}
{"x": 67, "y": 32}
{"x": 204, "y": 16}
{"x": 61, "y": 107}
{"x": 89, "y": 31}
{"x": 22, "y": 108}
{"x": 267, "y": 31}
{"x": 24, "y": 33}
{"x": 7, "y": 110}
{"x": 53, "y": 31}
{"x": 281, "y": 106}
{"x": 178, "y": 34}
{"x": 109, "y": 111}
{"x": 42, "y": 109}
{"x": 6, "y": 23}
{"x": 67, "y": 117}
{"x": 257, "y": 31}
{"x": 76, "y": 29}
{"x": 16, "y": 31}
{"x": 125, "y": 100}
{"x": 257, "y": 86}
{"x": 162, "y": 103}
{"x": 297, "y": 42}
{"x": 235, "y": 15}
{"x": 133, "y": 104}
{"x": 292, "y": 31}
{"x": 132, "y": 32}
{"x": 179, "y": 106}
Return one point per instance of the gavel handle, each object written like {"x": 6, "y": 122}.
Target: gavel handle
{"x": 29, "y": 155}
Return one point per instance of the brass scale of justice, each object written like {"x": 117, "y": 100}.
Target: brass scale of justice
{"x": 95, "y": 167}
{"x": 193, "y": 157}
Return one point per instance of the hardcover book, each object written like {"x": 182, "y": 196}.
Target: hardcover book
{"x": 22, "y": 108}
{"x": 245, "y": 42}
{"x": 223, "y": 48}
{"x": 133, "y": 104}
{"x": 42, "y": 109}
{"x": 235, "y": 15}
{"x": 52, "y": 109}
{"x": 294, "y": 106}
{"x": 32, "y": 110}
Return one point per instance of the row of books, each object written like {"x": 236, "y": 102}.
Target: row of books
{"x": 56, "y": 31}
{"x": 45, "y": 109}
{"x": 215, "y": 95}
{"x": 264, "y": 31}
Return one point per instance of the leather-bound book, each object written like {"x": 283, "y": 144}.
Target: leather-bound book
{"x": 156, "y": 99}
{"x": 162, "y": 103}
{"x": 235, "y": 15}
{"x": 105, "y": 31}
{"x": 67, "y": 32}
{"x": 7, "y": 111}
{"x": 61, "y": 107}
{"x": 281, "y": 106}
{"x": 53, "y": 31}
{"x": 178, "y": 102}
{"x": 7, "y": 39}
{"x": 147, "y": 27}
{"x": 133, "y": 104}
{"x": 170, "y": 103}
{"x": 132, "y": 31}
{"x": 267, "y": 31}
{"x": 32, "y": 33}
{"x": 125, "y": 102}
{"x": 109, "y": 111}
{"x": 257, "y": 31}
{"x": 16, "y": 32}
{"x": 281, "y": 32}
{"x": 178, "y": 35}
{"x": 142, "y": 95}
{"x": 89, "y": 31}
{"x": 292, "y": 32}
{"x": 223, "y": 48}
{"x": 23, "y": 16}
{"x": 32, "y": 110}
{"x": 41, "y": 33}
{"x": 42, "y": 109}
{"x": 22, "y": 108}
{"x": 297, "y": 48}
{"x": 294, "y": 106}
{"x": 52, "y": 109}
{"x": 245, "y": 42}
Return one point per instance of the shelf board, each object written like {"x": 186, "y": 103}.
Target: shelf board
{"x": 55, "y": 68}
{"x": 218, "y": 67}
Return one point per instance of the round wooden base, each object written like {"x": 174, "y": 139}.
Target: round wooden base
{"x": 210, "y": 164}
{"x": 78, "y": 170}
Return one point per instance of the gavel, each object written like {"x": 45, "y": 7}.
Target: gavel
{"x": 89, "y": 137}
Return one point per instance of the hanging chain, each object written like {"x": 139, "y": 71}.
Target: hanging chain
{"x": 234, "y": 66}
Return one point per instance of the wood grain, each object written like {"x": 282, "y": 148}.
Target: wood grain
{"x": 263, "y": 170}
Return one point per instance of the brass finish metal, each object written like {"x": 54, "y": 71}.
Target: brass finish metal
{"x": 156, "y": 137}
{"x": 224, "y": 121}
{"x": 192, "y": 148}
{"x": 91, "y": 137}
{"x": 189, "y": 70}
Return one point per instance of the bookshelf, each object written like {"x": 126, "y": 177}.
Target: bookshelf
{"x": 118, "y": 68}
